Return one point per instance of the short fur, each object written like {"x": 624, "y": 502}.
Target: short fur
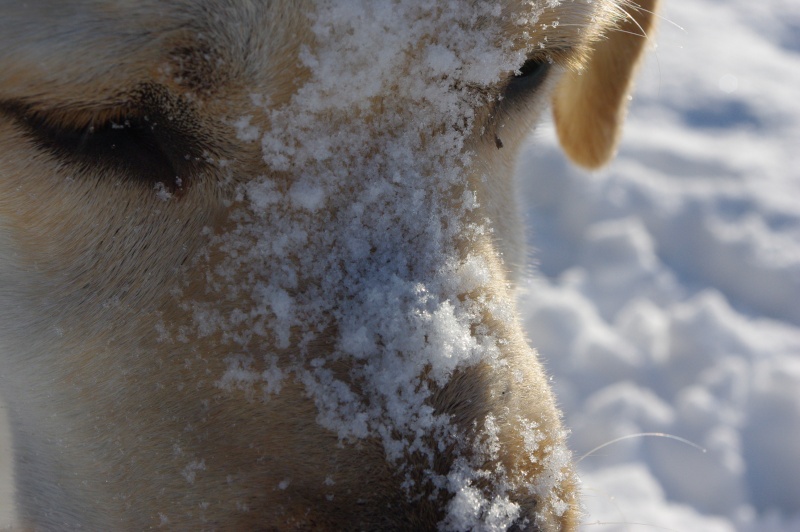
{"x": 117, "y": 427}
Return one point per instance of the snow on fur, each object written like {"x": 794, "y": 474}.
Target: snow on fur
{"x": 361, "y": 249}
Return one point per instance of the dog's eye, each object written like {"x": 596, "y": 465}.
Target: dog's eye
{"x": 532, "y": 67}
{"x": 129, "y": 144}
{"x": 531, "y": 75}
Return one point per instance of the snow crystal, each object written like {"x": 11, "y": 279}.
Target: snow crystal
{"x": 245, "y": 131}
{"x": 190, "y": 471}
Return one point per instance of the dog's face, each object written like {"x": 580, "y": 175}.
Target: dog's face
{"x": 256, "y": 260}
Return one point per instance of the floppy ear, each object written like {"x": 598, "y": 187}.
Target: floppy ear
{"x": 589, "y": 105}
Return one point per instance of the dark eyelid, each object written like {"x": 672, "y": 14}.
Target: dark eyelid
{"x": 531, "y": 74}
{"x": 131, "y": 143}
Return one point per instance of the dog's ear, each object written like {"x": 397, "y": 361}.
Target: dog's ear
{"x": 589, "y": 104}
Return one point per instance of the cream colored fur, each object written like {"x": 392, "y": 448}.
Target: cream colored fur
{"x": 119, "y": 425}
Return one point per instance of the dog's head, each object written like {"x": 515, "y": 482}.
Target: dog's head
{"x": 258, "y": 259}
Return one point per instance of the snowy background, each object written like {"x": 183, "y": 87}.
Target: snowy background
{"x": 666, "y": 297}
{"x": 667, "y": 292}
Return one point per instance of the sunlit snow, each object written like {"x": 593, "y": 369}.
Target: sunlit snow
{"x": 667, "y": 292}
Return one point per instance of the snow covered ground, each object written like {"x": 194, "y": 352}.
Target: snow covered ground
{"x": 667, "y": 292}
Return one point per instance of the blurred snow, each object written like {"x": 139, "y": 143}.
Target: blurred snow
{"x": 665, "y": 290}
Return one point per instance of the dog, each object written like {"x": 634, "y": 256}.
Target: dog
{"x": 257, "y": 259}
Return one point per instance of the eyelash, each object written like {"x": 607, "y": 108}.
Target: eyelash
{"x": 134, "y": 146}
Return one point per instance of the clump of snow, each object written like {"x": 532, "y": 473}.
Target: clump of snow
{"x": 190, "y": 471}
{"x": 246, "y": 131}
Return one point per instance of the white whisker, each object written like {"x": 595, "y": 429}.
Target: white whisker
{"x": 641, "y": 435}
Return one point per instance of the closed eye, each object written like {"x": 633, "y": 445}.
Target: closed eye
{"x": 137, "y": 146}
